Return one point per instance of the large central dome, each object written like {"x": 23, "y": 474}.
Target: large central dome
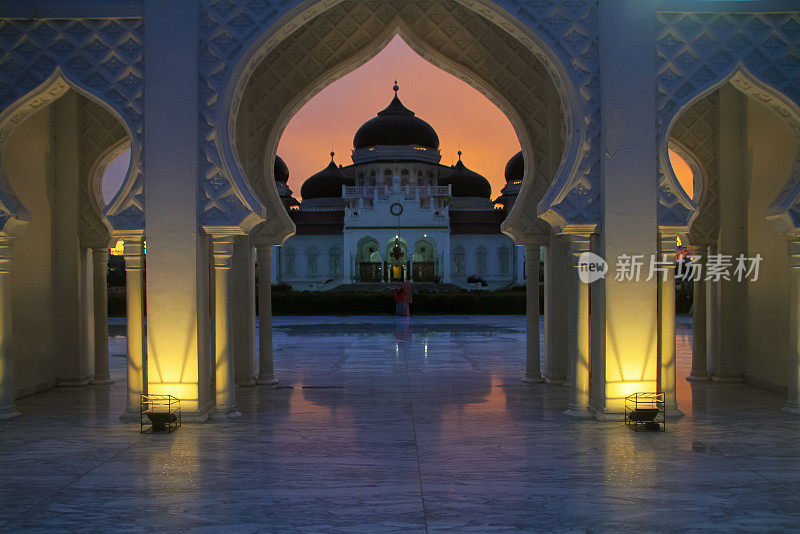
{"x": 396, "y": 125}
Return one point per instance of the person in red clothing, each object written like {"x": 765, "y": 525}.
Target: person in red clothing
{"x": 397, "y": 293}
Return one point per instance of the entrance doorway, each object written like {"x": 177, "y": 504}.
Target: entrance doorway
{"x": 397, "y": 262}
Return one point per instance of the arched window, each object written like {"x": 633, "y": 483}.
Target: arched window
{"x": 458, "y": 261}
{"x": 503, "y": 257}
{"x": 334, "y": 261}
{"x": 312, "y": 257}
{"x": 288, "y": 261}
{"x": 480, "y": 260}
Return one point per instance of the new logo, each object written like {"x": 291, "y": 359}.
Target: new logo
{"x": 591, "y": 267}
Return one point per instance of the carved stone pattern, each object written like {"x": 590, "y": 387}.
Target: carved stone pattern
{"x": 100, "y": 132}
{"x": 569, "y": 28}
{"x": 696, "y": 130}
{"x": 696, "y": 51}
{"x": 101, "y": 56}
{"x": 229, "y": 27}
{"x": 447, "y": 27}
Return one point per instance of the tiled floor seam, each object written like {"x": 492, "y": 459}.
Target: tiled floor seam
{"x": 414, "y": 433}
{"x": 70, "y": 483}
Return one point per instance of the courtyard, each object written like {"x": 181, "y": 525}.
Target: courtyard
{"x": 413, "y": 425}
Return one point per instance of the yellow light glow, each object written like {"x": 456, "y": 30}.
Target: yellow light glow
{"x": 117, "y": 249}
{"x": 620, "y": 390}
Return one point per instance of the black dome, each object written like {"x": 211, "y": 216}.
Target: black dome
{"x": 466, "y": 183}
{"x": 281, "y": 170}
{"x": 515, "y": 168}
{"x": 396, "y": 125}
{"x": 327, "y": 183}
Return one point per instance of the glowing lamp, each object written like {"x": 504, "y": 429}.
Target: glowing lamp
{"x": 645, "y": 411}
{"x": 159, "y": 413}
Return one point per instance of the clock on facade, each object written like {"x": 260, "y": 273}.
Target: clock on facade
{"x": 396, "y": 208}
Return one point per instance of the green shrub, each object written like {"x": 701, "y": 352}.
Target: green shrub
{"x": 376, "y": 303}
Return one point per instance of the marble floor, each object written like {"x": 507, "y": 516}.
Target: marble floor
{"x": 382, "y": 424}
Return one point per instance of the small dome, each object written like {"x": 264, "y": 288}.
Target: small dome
{"x": 515, "y": 168}
{"x": 396, "y": 125}
{"x": 327, "y": 183}
{"x": 281, "y": 170}
{"x": 466, "y": 183}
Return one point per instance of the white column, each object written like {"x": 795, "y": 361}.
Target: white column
{"x": 133, "y": 253}
{"x": 225, "y": 405}
{"x": 666, "y": 324}
{"x": 699, "y": 368}
{"x": 347, "y": 263}
{"x": 731, "y": 296}
{"x": 178, "y": 265}
{"x": 519, "y": 264}
{"x": 626, "y": 311}
{"x": 276, "y": 265}
{"x": 533, "y": 372}
{"x": 712, "y": 320}
{"x": 8, "y": 390}
{"x": 557, "y": 273}
{"x": 100, "y": 293}
{"x": 243, "y": 306}
{"x": 793, "y": 397}
{"x": 444, "y": 263}
{"x": 72, "y": 304}
{"x": 266, "y": 369}
{"x": 579, "y": 334}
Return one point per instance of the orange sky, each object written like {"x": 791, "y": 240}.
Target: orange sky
{"x": 683, "y": 172}
{"x": 456, "y": 111}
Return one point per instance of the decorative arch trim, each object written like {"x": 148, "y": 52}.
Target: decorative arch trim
{"x": 784, "y": 211}
{"x": 579, "y": 155}
{"x": 698, "y": 53}
{"x": 13, "y": 214}
{"x": 102, "y": 59}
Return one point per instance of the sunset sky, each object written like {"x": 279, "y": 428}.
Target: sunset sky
{"x": 459, "y": 114}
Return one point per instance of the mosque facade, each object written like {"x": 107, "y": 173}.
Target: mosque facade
{"x": 398, "y": 214}
{"x": 598, "y": 92}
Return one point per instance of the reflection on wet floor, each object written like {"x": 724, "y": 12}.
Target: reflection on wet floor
{"x": 420, "y": 424}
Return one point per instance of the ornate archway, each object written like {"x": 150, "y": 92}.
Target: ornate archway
{"x": 699, "y": 53}
{"x": 529, "y": 77}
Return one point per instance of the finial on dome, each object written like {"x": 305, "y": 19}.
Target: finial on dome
{"x": 396, "y": 87}
{"x": 332, "y": 154}
{"x": 459, "y": 155}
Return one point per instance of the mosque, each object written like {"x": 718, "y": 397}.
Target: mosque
{"x": 373, "y": 429}
{"x": 79, "y": 85}
{"x": 398, "y": 214}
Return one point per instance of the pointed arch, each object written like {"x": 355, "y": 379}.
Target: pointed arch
{"x": 459, "y": 261}
{"x": 481, "y": 260}
{"x": 784, "y": 211}
{"x": 95, "y": 226}
{"x": 559, "y": 163}
{"x": 13, "y": 214}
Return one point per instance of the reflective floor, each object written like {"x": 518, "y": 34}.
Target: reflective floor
{"x": 386, "y": 425}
